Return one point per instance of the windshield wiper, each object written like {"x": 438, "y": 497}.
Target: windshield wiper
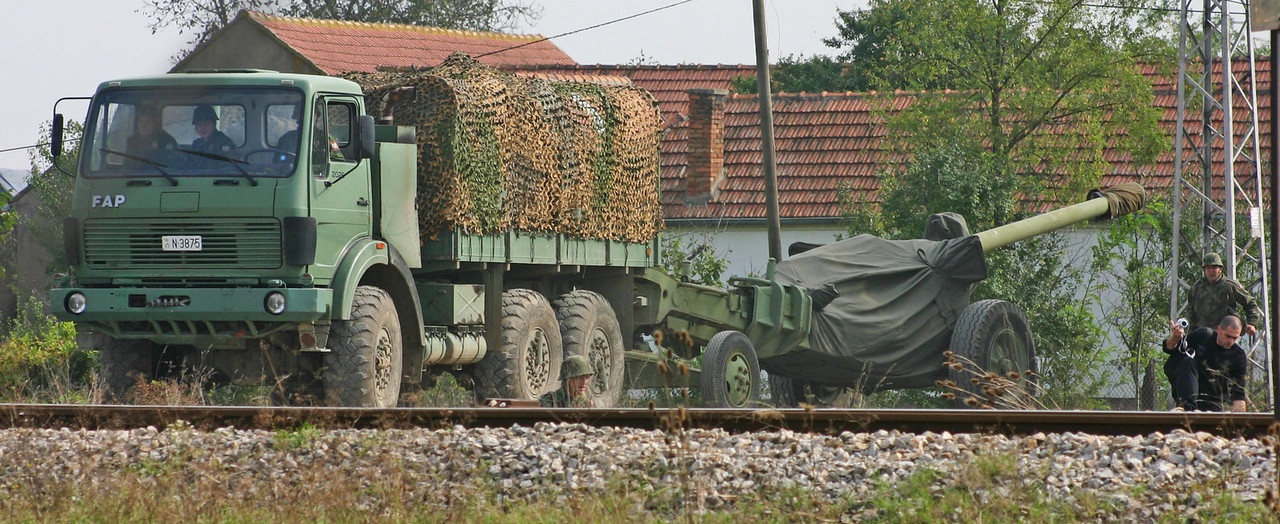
{"x": 235, "y": 162}
{"x": 159, "y": 167}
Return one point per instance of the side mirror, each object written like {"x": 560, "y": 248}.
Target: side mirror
{"x": 55, "y": 138}
{"x": 364, "y": 137}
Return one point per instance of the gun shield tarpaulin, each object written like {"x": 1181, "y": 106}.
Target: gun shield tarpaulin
{"x": 897, "y": 303}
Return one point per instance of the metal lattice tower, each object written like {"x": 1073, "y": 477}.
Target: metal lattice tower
{"x": 1217, "y": 200}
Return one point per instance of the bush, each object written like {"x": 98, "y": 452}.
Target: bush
{"x": 38, "y": 358}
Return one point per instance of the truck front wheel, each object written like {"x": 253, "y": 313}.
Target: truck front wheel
{"x": 589, "y": 327}
{"x": 364, "y": 365}
{"x": 527, "y": 362}
{"x": 122, "y": 363}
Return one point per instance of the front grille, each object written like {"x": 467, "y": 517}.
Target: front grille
{"x": 228, "y": 243}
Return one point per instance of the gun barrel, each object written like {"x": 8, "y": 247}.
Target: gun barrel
{"x": 1100, "y": 206}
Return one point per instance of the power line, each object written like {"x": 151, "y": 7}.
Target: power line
{"x": 544, "y": 39}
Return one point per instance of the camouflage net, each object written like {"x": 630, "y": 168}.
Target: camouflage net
{"x": 502, "y": 152}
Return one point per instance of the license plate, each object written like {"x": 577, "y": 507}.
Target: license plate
{"x": 181, "y": 243}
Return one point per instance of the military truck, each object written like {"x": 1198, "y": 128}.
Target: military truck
{"x": 341, "y": 259}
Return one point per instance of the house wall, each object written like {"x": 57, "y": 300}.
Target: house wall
{"x": 745, "y": 246}
{"x": 244, "y": 45}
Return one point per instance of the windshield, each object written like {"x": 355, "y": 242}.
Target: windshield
{"x": 186, "y": 132}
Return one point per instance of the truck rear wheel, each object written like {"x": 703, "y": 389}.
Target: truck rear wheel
{"x": 994, "y": 336}
{"x": 122, "y": 363}
{"x": 730, "y": 372}
{"x": 589, "y": 327}
{"x": 364, "y": 365}
{"x": 527, "y": 362}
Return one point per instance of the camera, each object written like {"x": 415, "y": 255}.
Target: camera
{"x": 1182, "y": 323}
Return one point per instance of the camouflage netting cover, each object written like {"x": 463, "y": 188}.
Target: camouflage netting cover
{"x": 504, "y": 152}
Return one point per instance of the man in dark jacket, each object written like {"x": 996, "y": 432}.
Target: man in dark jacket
{"x": 210, "y": 140}
{"x": 1207, "y": 369}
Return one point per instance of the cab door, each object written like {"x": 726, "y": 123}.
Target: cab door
{"x": 340, "y": 188}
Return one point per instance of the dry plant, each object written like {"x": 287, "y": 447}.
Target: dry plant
{"x": 1012, "y": 390}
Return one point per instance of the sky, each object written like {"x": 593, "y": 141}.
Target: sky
{"x": 64, "y": 48}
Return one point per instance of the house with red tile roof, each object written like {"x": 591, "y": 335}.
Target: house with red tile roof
{"x": 326, "y": 47}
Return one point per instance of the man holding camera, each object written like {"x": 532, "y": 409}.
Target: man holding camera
{"x": 1206, "y": 369}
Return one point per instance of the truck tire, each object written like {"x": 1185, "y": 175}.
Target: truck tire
{"x": 121, "y": 363}
{"x": 527, "y": 362}
{"x": 364, "y": 365}
{"x": 790, "y": 393}
{"x": 994, "y": 336}
{"x": 589, "y": 327}
{"x": 730, "y": 372}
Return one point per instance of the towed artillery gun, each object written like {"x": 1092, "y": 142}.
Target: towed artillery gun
{"x": 865, "y": 313}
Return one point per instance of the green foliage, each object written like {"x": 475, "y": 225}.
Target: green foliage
{"x": 301, "y": 437}
{"x": 797, "y": 74}
{"x": 38, "y": 360}
{"x": 693, "y": 260}
{"x": 53, "y": 190}
{"x": 960, "y": 178}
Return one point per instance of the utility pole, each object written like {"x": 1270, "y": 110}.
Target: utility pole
{"x": 1217, "y": 192}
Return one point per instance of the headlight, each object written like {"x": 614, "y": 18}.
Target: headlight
{"x": 76, "y": 303}
{"x": 274, "y": 303}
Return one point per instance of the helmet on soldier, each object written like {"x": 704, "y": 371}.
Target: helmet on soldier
{"x": 1212, "y": 259}
{"x": 575, "y": 366}
{"x": 203, "y": 113}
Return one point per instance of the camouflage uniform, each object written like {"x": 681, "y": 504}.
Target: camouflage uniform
{"x": 1209, "y": 301}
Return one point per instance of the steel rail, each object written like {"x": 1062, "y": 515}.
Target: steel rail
{"x": 733, "y": 420}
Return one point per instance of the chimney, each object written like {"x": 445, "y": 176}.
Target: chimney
{"x": 705, "y": 155}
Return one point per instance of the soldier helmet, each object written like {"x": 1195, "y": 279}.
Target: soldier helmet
{"x": 1212, "y": 259}
{"x": 575, "y": 366}
{"x": 203, "y": 114}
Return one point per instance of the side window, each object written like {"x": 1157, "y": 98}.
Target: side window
{"x": 341, "y": 116}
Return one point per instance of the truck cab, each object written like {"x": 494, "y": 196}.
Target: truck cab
{"x": 211, "y": 214}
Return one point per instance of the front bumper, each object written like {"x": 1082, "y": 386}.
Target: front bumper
{"x": 190, "y": 315}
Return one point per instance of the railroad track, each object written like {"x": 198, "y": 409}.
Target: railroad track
{"x": 823, "y": 421}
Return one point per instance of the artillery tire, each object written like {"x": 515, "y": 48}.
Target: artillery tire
{"x": 589, "y": 327}
{"x": 790, "y": 393}
{"x": 121, "y": 363}
{"x": 526, "y": 363}
{"x": 730, "y": 372}
{"x": 364, "y": 365}
{"x": 994, "y": 336}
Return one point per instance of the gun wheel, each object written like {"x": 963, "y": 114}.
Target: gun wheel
{"x": 994, "y": 336}
{"x": 730, "y": 372}
{"x": 790, "y": 393}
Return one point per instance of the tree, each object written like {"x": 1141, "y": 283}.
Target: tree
{"x": 1131, "y": 259}
{"x": 475, "y": 15}
{"x": 52, "y": 188}
{"x": 202, "y": 18}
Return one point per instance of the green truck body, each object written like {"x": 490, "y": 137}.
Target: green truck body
{"x": 302, "y": 266}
